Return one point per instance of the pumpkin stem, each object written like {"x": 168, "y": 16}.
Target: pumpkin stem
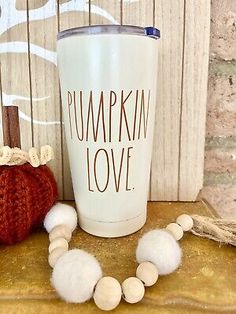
{"x": 11, "y": 126}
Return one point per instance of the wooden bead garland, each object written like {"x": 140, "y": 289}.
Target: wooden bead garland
{"x": 133, "y": 290}
{"x": 185, "y": 221}
{"x": 176, "y": 230}
{"x": 61, "y": 231}
{"x": 55, "y": 254}
{"x": 147, "y": 273}
{"x": 108, "y": 292}
{"x": 58, "y": 242}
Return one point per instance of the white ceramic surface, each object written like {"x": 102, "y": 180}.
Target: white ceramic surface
{"x": 108, "y": 89}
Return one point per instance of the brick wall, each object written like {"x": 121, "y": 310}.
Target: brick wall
{"x": 220, "y": 153}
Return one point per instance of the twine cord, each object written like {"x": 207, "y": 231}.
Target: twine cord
{"x": 217, "y": 229}
{"x": 16, "y": 156}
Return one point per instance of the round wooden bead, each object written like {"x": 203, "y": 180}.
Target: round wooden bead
{"x": 175, "y": 230}
{"x": 133, "y": 290}
{"x": 58, "y": 242}
{"x": 61, "y": 231}
{"x": 107, "y": 294}
{"x": 147, "y": 273}
{"x": 185, "y": 221}
{"x": 54, "y": 255}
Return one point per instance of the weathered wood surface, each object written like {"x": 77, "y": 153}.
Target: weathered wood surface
{"x": 29, "y": 80}
{"x": 194, "y": 94}
{"x": 169, "y": 17}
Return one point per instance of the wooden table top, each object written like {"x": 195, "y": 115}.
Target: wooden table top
{"x": 205, "y": 282}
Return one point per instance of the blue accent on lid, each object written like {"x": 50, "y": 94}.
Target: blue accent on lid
{"x": 151, "y": 32}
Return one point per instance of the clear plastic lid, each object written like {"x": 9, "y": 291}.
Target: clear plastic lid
{"x": 151, "y": 32}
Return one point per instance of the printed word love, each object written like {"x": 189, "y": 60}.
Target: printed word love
{"x": 110, "y": 123}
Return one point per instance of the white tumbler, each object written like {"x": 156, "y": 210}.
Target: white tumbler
{"x": 108, "y": 78}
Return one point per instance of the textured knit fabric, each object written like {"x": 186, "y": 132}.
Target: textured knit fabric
{"x": 26, "y": 195}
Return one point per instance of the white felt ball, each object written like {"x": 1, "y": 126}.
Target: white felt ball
{"x": 75, "y": 275}
{"x": 160, "y": 248}
{"x": 61, "y": 214}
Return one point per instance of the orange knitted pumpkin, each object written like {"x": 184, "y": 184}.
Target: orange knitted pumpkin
{"x": 26, "y": 195}
{"x": 26, "y": 192}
